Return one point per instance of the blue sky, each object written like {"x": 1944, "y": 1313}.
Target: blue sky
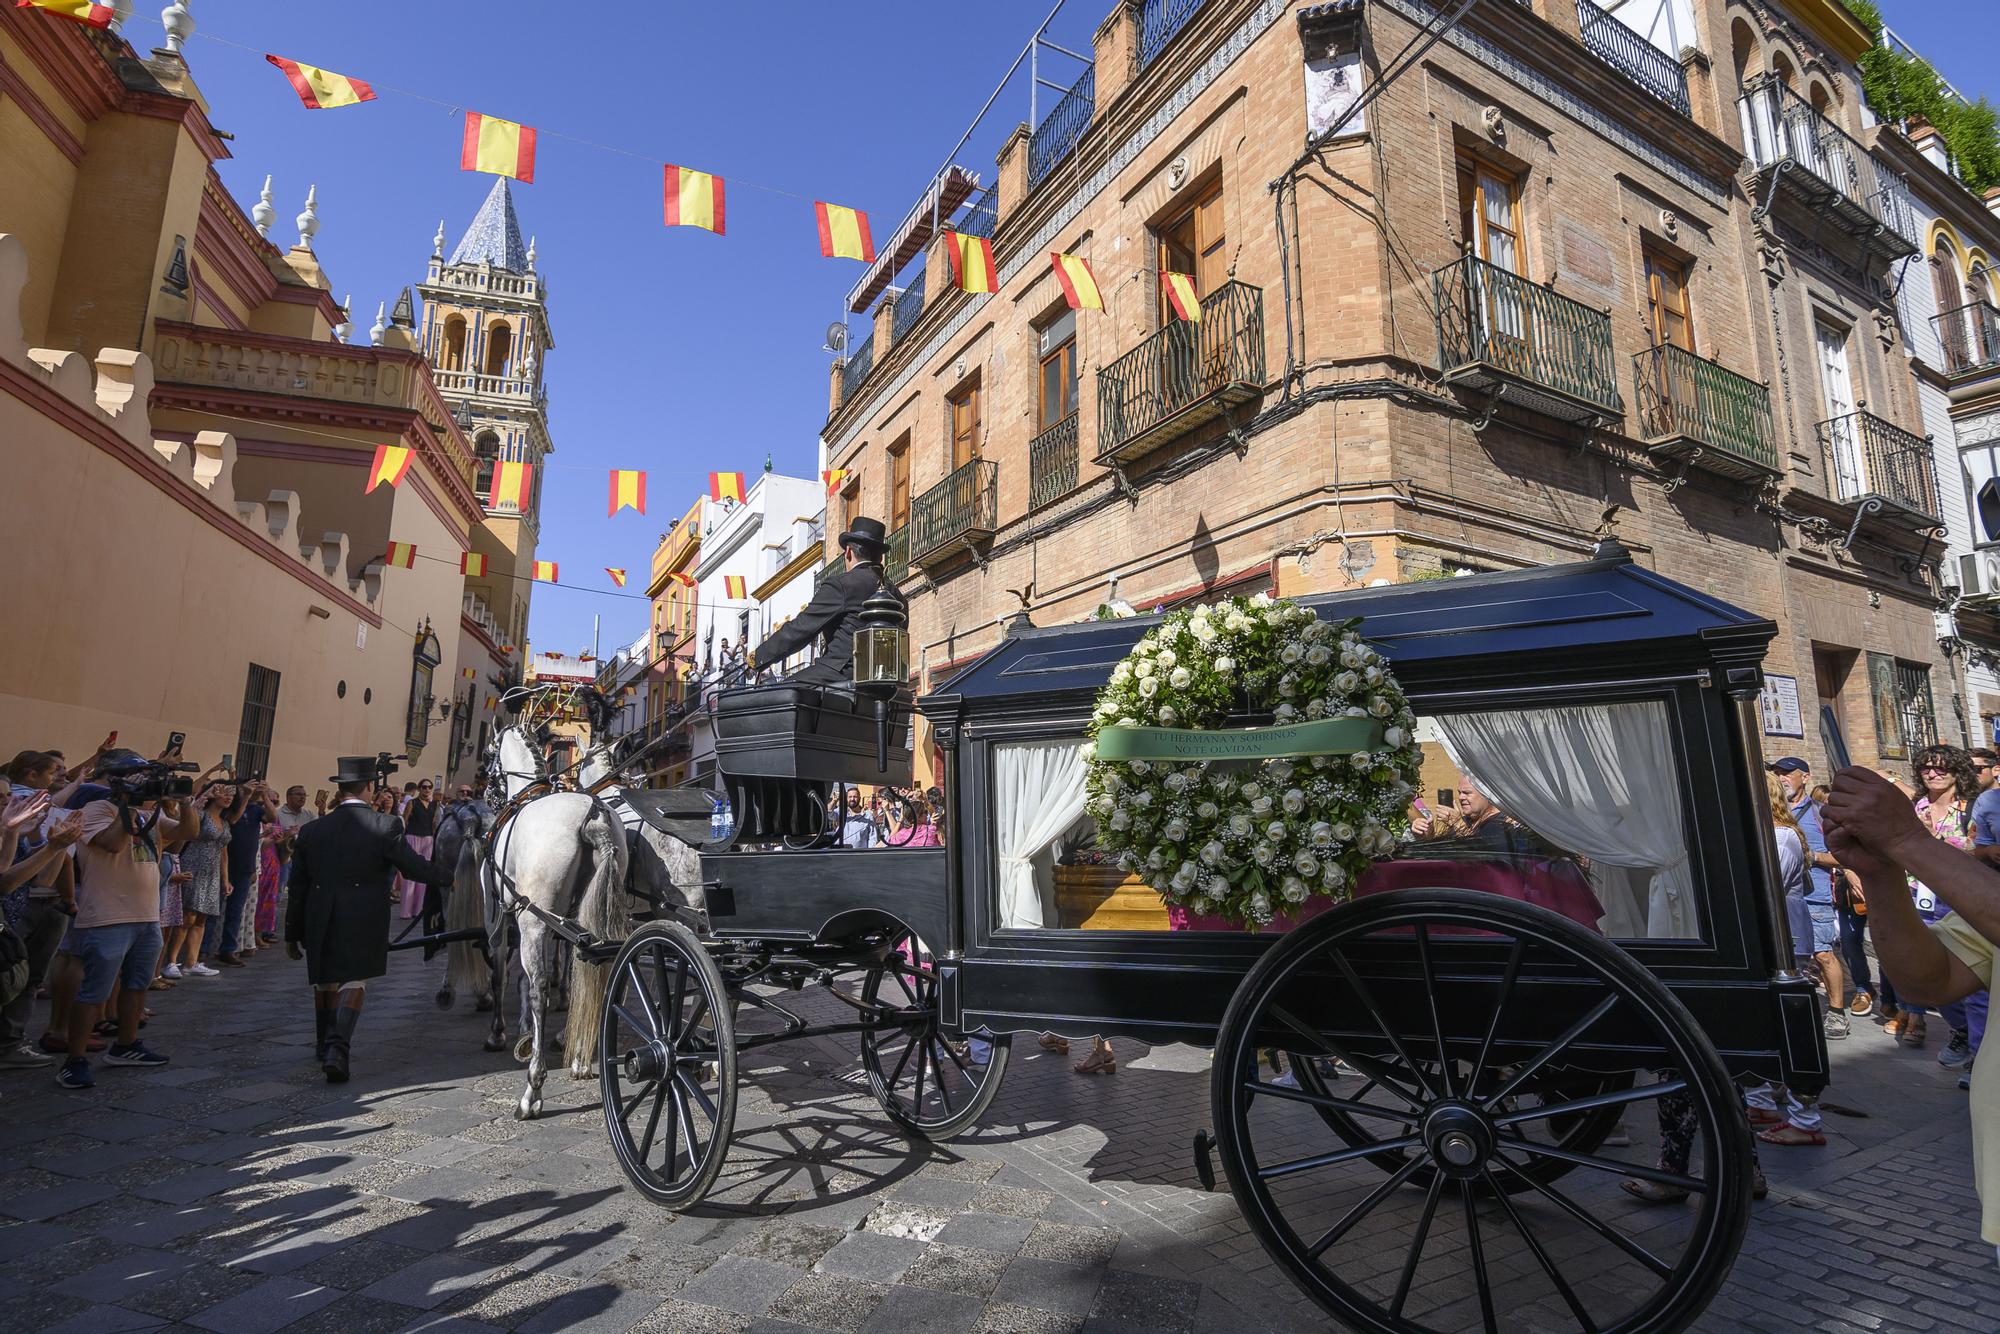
{"x": 676, "y": 351}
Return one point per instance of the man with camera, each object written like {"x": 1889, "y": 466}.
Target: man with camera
{"x": 115, "y": 937}
{"x": 338, "y": 915}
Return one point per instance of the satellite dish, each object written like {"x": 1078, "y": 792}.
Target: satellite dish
{"x": 836, "y": 338}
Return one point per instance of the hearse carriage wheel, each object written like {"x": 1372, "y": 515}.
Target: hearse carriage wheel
{"x": 1478, "y": 1241}
{"x": 932, "y": 1082}
{"x": 668, "y": 1069}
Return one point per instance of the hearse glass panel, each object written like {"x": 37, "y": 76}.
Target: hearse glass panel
{"x": 1581, "y": 807}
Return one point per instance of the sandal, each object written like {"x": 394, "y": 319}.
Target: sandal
{"x": 1893, "y": 1022}
{"x": 1762, "y": 1116}
{"x": 1861, "y": 1004}
{"x": 1097, "y": 1063}
{"x": 1050, "y": 1042}
{"x": 161, "y": 984}
{"x": 1652, "y": 1192}
{"x": 1791, "y": 1137}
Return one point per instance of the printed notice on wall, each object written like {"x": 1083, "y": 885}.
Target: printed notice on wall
{"x": 1781, "y": 707}
{"x": 1333, "y": 83}
{"x": 361, "y": 634}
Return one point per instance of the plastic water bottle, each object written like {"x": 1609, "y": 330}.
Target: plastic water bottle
{"x": 715, "y": 822}
{"x": 728, "y": 818}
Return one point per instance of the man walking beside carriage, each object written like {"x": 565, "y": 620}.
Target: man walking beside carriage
{"x": 338, "y": 917}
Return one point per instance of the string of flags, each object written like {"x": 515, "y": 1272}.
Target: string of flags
{"x": 617, "y": 575}
{"x": 726, "y": 486}
{"x": 93, "y": 15}
{"x": 834, "y": 479}
{"x": 628, "y": 491}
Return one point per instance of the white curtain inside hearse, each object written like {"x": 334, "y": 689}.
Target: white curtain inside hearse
{"x": 1600, "y": 781}
{"x": 1038, "y": 790}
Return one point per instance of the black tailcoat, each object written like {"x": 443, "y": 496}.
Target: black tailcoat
{"x": 831, "y": 617}
{"x": 343, "y": 865}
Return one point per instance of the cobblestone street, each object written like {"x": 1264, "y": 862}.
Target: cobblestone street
{"x": 236, "y": 1191}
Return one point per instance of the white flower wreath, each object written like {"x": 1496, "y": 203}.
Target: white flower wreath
{"x": 1249, "y": 840}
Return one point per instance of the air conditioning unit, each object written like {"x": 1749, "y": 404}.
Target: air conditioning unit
{"x": 1979, "y": 574}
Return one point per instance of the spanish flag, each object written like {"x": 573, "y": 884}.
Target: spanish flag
{"x": 843, "y": 233}
{"x": 498, "y": 146}
{"x": 1181, "y": 296}
{"x": 391, "y": 462}
{"x": 322, "y": 89}
{"x": 468, "y": 673}
{"x": 472, "y": 563}
{"x": 491, "y": 700}
{"x": 403, "y": 555}
{"x": 511, "y": 482}
{"x": 545, "y": 571}
{"x": 833, "y": 477}
{"x": 1079, "y": 284}
{"x": 683, "y": 578}
{"x": 694, "y": 199}
{"x": 732, "y": 587}
{"x": 972, "y": 262}
{"x": 628, "y": 491}
{"x": 725, "y": 486}
{"x": 97, "y": 16}
{"x": 617, "y": 576}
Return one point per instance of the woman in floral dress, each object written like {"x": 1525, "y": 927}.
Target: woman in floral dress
{"x": 202, "y": 858}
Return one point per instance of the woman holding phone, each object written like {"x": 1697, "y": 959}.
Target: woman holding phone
{"x": 202, "y": 858}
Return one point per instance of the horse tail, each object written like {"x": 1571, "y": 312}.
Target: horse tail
{"x": 465, "y": 909}
{"x": 607, "y": 915}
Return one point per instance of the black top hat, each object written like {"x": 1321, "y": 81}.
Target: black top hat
{"x": 357, "y": 769}
{"x": 867, "y": 534}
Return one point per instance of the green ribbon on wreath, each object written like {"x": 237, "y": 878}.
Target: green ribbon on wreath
{"x": 1323, "y": 736}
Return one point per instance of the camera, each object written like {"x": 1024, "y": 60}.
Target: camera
{"x": 155, "y": 781}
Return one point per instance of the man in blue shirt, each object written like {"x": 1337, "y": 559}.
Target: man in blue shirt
{"x": 246, "y": 829}
{"x": 1795, "y": 777}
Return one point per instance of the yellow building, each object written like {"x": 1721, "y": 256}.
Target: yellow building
{"x": 187, "y": 437}
{"x": 674, "y": 592}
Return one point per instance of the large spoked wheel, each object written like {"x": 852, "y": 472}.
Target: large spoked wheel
{"x": 669, "y": 1064}
{"x": 1468, "y": 1012}
{"x": 931, "y": 1081}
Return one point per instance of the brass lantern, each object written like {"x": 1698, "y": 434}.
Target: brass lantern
{"x": 882, "y": 644}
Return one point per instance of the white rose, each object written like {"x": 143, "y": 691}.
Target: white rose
{"x": 1206, "y": 810}
{"x": 1212, "y": 853}
{"x": 1141, "y": 767}
{"x": 1322, "y": 835}
{"x": 1350, "y": 657}
{"x": 1261, "y": 807}
{"x": 1175, "y": 831}
{"x": 1289, "y": 654}
{"x": 1204, "y": 632}
{"x": 1263, "y": 853}
{"x": 1284, "y": 713}
{"x": 1343, "y": 832}
{"x": 1275, "y": 831}
{"x": 1225, "y": 665}
{"x": 1239, "y": 825}
{"x": 1179, "y": 678}
{"x": 1122, "y": 672}
{"x": 1381, "y": 707}
{"x": 1373, "y": 676}
{"x": 1293, "y": 889}
{"x": 1237, "y": 622}
{"x": 1295, "y": 801}
{"x": 1168, "y": 658}
{"x": 1306, "y": 864}
{"x": 1354, "y": 711}
{"x": 1128, "y": 862}
{"x": 1149, "y": 688}
{"x": 1142, "y": 798}
{"x": 1260, "y": 907}
{"x": 1332, "y": 876}
{"x": 1394, "y": 737}
{"x": 1167, "y": 715}
{"x": 1155, "y": 860}
{"x": 1143, "y": 670}
{"x": 1318, "y": 656}
{"x": 1120, "y": 820}
{"x": 1346, "y": 683}
{"x": 1251, "y": 790}
{"x": 1315, "y": 708}
{"x": 1261, "y": 600}
{"x": 1281, "y": 770}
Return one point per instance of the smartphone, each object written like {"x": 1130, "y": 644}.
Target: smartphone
{"x": 229, "y": 763}
{"x": 175, "y": 740}
{"x": 1422, "y": 809}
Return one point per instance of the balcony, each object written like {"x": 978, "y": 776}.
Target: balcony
{"x": 1633, "y": 56}
{"x": 1058, "y": 134}
{"x": 1182, "y": 376}
{"x": 1160, "y": 21}
{"x": 909, "y": 309}
{"x": 982, "y": 215}
{"x": 1052, "y": 463}
{"x": 855, "y": 369}
{"x": 490, "y": 386}
{"x": 1501, "y": 333}
{"x": 1970, "y": 336}
{"x": 897, "y": 563}
{"x": 1874, "y": 463}
{"x": 958, "y": 512}
{"x": 1793, "y": 147}
{"x": 1691, "y": 408}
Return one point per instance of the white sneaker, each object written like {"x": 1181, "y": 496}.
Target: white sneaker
{"x": 24, "y": 1057}
{"x": 203, "y": 970}
{"x": 172, "y": 972}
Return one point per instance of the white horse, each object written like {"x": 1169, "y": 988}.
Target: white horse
{"x": 665, "y": 871}
{"x": 560, "y": 855}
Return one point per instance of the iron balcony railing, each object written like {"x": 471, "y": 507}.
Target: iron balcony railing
{"x": 1685, "y": 397}
{"x": 1052, "y": 463}
{"x": 1970, "y": 336}
{"x": 909, "y": 308}
{"x": 1626, "y": 51}
{"x": 1490, "y": 318}
{"x": 1184, "y": 374}
{"x": 965, "y": 505}
{"x": 897, "y": 563}
{"x": 1781, "y": 128}
{"x": 1868, "y": 458}
{"x": 855, "y": 369}
{"x": 1159, "y": 22}
{"x": 982, "y": 214}
{"x": 1059, "y": 132}
{"x": 831, "y": 568}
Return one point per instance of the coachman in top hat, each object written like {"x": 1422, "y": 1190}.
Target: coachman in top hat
{"x": 834, "y": 611}
{"x": 342, "y": 867}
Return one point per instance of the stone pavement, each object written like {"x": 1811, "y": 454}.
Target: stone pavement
{"x": 236, "y": 1191}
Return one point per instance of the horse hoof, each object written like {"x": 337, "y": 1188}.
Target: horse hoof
{"x": 444, "y": 998}
{"x": 495, "y": 1044}
{"x": 484, "y": 1005}
{"x": 527, "y": 1111}
{"x": 524, "y": 1049}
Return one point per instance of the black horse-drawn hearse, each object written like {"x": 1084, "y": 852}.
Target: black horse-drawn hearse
{"x": 1435, "y": 1104}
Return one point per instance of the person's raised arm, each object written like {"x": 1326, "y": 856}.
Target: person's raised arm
{"x": 25, "y": 870}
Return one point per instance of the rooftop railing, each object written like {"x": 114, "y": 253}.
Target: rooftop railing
{"x": 1633, "y": 56}
{"x": 1489, "y": 319}
{"x": 1059, "y": 132}
{"x": 981, "y": 215}
{"x": 1868, "y": 458}
{"x": 1970, "y": 336}
{"x": 855, "y": 369}
{"x": 909, "y": 308}
{"x": 1683, "y": 397}
{"x": 1052, "y": 463}
{"x": 964, "y": 506}
{"x": 1184, "y": 374}
{"x": 1159, "y": 22}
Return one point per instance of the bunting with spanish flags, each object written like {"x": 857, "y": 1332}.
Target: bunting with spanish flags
{"x": 683, "y": 578}
{"x": 843, "y": 232}
{"x": 545, "y": 571}
{"x": 472, "y": 563}
{"x": 468, "y": 673}
{"x": 322, "y": 89}
{"x": 725, "y": 486}
{"x": 617, "y": 576}
{"x": 402, "y": 555}
{"x": 391, "y": 462}
{"x": 511, "y": 482}
{"x": 833, "y": 477}
{"x": 972, "y": 262}
{"x": 491, "y": 702}
{"x": 498, "y": 147}
{"x": 733, "y": 588}
{"x": 96, "y": 16}
{"x": 628, "y": 491}
{"x": 1181, "y": 296}
{"x": 1079, "y": 284}
{"x": 694, "y": 199}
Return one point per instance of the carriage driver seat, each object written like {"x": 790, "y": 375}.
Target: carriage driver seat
{"x": 781, "y": 748}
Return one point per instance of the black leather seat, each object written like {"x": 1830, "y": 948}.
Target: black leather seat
{"x": 780, "y": 747}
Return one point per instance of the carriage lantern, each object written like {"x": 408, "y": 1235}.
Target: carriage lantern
{"x": 882, "y": 657}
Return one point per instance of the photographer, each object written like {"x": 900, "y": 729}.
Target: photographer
{"x": 115, "y": 938}
{"x": 36, "y": 913}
